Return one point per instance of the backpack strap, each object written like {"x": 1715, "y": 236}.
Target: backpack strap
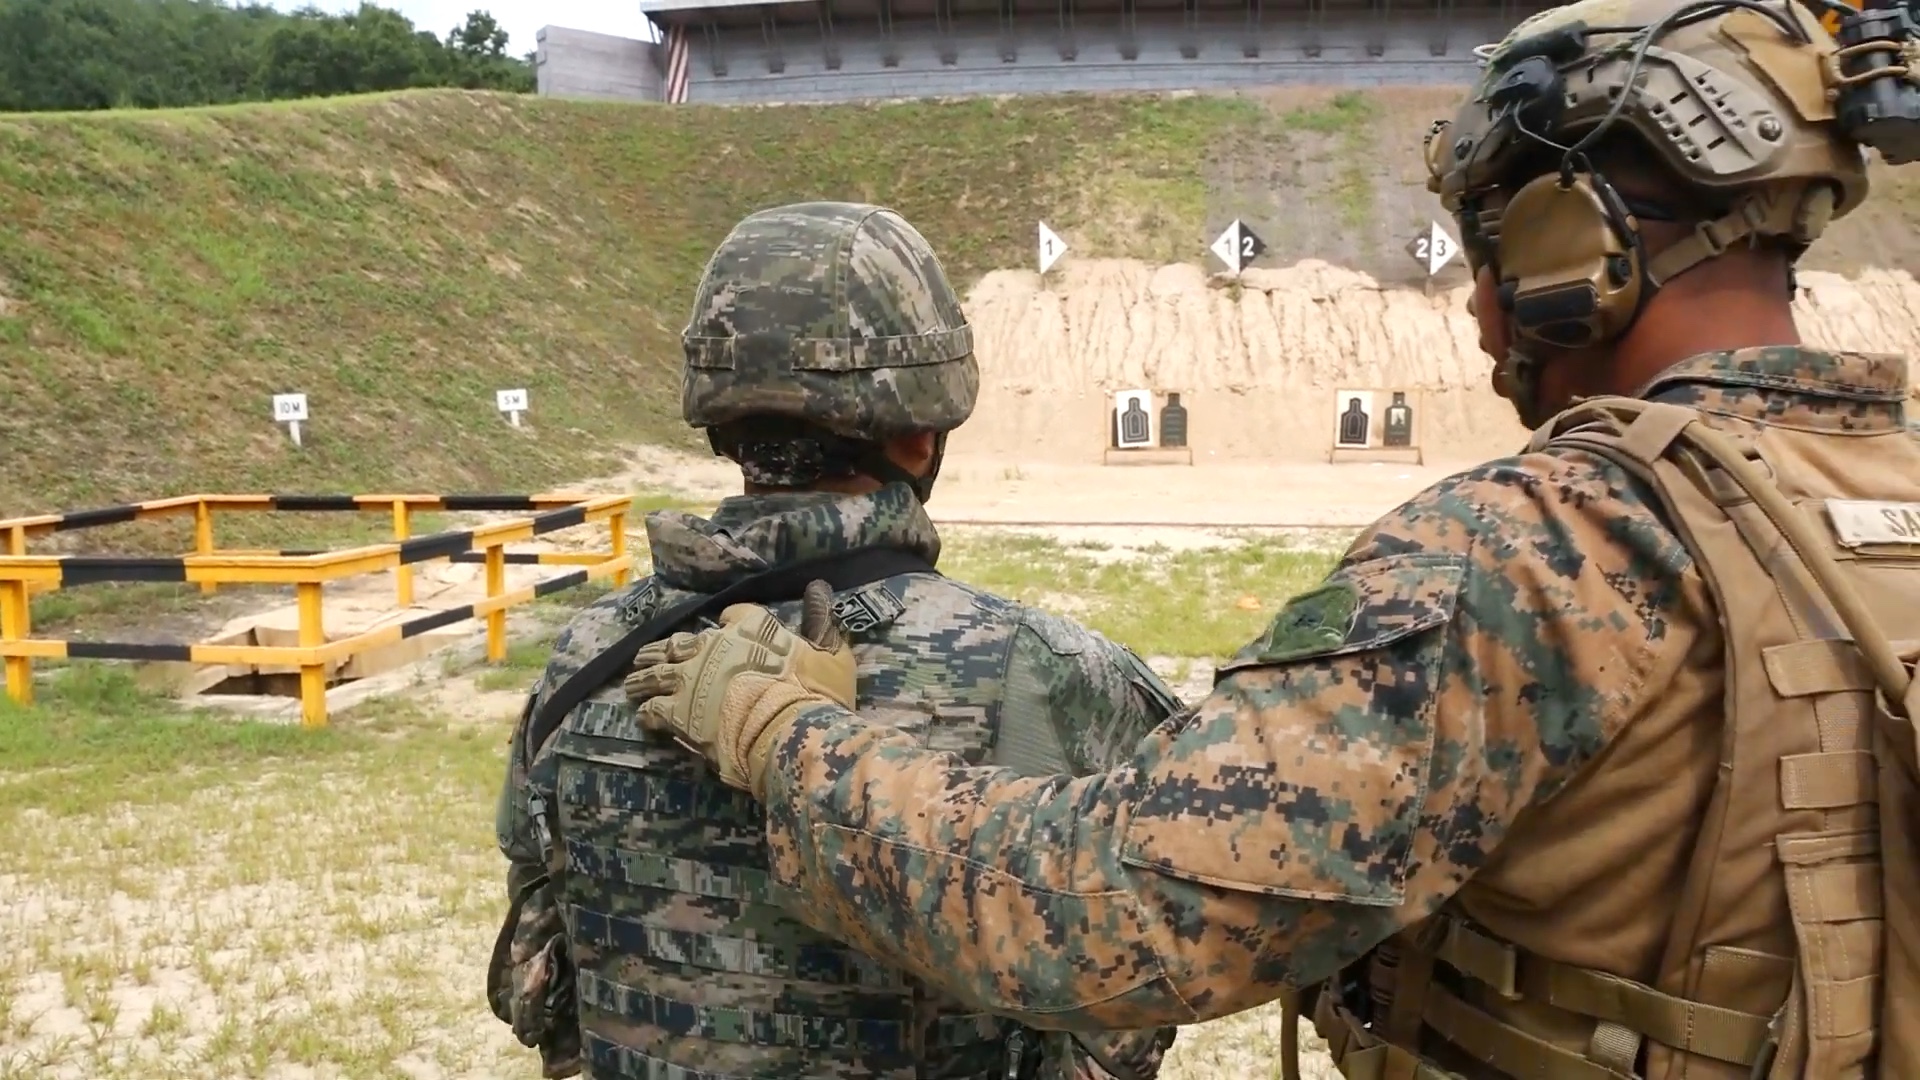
{"x": 842, "y": 570}
{"x": 1646, "y": 430}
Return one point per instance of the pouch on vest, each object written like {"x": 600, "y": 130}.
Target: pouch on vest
{"x": 530, "y": 979}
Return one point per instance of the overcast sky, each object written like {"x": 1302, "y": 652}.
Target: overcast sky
{"x": 520, "y": 18}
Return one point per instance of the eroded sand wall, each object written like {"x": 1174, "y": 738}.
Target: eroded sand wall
{"x": 1257, "y": 366}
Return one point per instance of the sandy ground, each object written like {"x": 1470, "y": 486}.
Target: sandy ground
{"x": 991, "y": 490}
{"x": 981, "y": 490}
{"x": 202, "y": 940}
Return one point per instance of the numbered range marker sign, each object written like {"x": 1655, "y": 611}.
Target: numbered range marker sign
{"x": 511, "y": 402}
{"x": 1433, "y": 249}
{"x": 1238, "y": 247}
{"x": 291, "y": 410}
{"x": 1051, "y": 248}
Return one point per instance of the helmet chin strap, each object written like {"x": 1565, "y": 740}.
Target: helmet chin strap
{"x": 878, "y": 465}
{"x": 1517, "y": 378}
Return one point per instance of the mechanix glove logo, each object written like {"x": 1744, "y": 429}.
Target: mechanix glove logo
{"x": 1311, "y": 622}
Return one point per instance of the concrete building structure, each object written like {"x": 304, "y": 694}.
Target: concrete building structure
{"x": 582, "y": 64}
{"x": 746, "y": 51}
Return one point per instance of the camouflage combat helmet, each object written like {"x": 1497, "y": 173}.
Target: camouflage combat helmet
{"x": 836, "y": 316}
{"x": 1735, "y": 100}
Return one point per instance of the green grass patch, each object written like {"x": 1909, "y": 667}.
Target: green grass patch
{"x": 1202, "y": 604}
{"x": 1348, "y": 120}
{"x": 647, "y": 503}
{"x": 64, "y": 609}
{"x": 94, "y": 738}
{"x": 524, "y": 662}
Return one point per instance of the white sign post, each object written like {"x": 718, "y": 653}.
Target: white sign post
{"x": 1237, "y": 247}
{"x": 291, "y": 410}
{"x": 1051, "y": 248}
{"x": 511, "y": 402}
{"x": 1433, "y": 249}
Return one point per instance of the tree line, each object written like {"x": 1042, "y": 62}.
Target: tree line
{"x": 113, "y": 54}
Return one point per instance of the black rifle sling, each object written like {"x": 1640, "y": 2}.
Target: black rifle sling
{"x": 843, "y": 571}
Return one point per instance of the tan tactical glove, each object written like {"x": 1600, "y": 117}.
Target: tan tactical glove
{"x": 729, "y": 693}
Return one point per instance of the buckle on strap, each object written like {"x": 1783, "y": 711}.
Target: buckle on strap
{"x": 1723, "y": 1034}
{"x": 1359, "y": 1054}
{"x": 1491, "y": 962}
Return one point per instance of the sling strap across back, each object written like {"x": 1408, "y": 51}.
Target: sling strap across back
{"x": 842, "y": 570}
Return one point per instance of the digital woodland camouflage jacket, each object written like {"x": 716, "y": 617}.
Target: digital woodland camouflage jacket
{"x": 686, "y": 960}
{"x": 1528, "y": 630}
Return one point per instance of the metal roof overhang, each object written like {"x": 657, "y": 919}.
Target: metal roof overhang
{"x": 745, "y": 13}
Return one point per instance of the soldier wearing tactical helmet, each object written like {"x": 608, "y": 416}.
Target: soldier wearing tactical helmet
{"x": 1595, "y": 761}
{"x": 827, "y": 356}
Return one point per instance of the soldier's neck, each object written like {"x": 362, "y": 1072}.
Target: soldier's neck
{"x": 1638, "y": 362}
{"x": 1738, "y": 301}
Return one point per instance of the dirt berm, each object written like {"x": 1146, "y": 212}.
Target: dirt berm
{"x": 1257, "y": 364}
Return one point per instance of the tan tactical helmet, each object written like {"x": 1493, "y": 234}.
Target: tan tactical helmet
{"x": 1736, "y": 99}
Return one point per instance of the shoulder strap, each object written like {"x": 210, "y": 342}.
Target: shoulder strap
{"x": 843, "y": 571}
{"x": 1653, "y": 427}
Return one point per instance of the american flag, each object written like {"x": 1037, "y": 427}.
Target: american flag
{"x": 677, "y": 65}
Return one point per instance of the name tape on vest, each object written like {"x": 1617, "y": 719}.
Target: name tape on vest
{"x": 1858, "y": 522}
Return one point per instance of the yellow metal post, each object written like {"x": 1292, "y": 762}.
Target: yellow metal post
{"x": 313, "y": 677}
{"x": 203, "y": 537}
{"x": 618, "y": 523}
{"x": 14, "y": 623}
{"x": 17, "y": 545}
{"x": 402, "y": 529}
{"x": 496, "y": 620}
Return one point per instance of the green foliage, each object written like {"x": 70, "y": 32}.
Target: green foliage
{"x": 69, "y": 55}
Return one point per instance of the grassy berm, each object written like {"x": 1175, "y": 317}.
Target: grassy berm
{"x": 400, "y": 258}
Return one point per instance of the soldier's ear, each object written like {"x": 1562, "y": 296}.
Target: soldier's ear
{"x": 913, "y": 453}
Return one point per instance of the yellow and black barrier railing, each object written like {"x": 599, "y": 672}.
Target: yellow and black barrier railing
{"x": 22, "y": 574}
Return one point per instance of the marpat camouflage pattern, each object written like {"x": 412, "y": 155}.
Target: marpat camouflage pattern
{"x": 1473, "y": 652}
{"x": 689, "y": 966}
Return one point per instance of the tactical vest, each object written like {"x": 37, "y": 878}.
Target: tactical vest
{"x": 1794, "y": 944}
{"x": 687, "y": 966}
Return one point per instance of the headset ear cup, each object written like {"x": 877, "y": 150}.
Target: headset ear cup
{"x": 1570, "y": 258}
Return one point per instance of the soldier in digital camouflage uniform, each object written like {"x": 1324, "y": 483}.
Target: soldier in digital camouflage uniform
{"x": 1595, "y": 761}
{"x": 826, "y": 354}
